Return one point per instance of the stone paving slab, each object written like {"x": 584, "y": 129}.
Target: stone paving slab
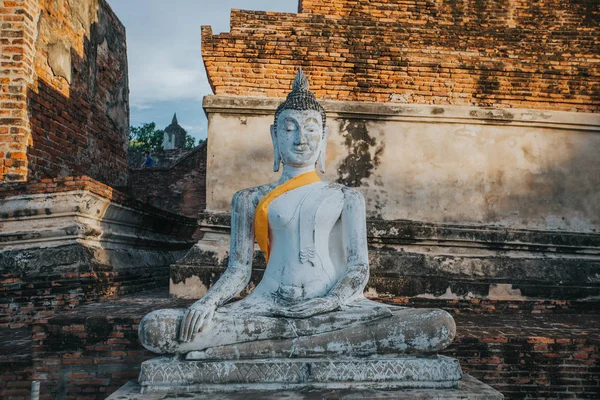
{"x": 469, "y": 388}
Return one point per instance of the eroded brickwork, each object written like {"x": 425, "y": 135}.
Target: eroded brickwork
{"x": 64, "y": 107}
{"x": 17, "y": 38}
{"x": 79, "y": 103}
{"x": 517, "y": 53}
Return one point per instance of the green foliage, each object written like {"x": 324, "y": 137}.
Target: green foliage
{"x": 189, "y": 142}
{"x": 146, "y": 137}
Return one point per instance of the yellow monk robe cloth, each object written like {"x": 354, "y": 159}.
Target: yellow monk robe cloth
{"x": 261, "y": 216}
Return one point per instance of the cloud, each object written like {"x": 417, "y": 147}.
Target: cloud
{"x": 159, "y": 72}
{"x": 161, "y": 80}
{"x": 140, "y": 105}
{"x": 163, "y": 42}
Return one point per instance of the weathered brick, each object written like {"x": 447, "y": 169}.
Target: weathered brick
{"x": 542, "y": 56}
{"x": 64, "y": 129}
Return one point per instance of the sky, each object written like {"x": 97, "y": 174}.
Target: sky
{"x": 166, "y": 73}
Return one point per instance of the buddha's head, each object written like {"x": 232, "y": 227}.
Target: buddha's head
{"x": 299, "y": 132}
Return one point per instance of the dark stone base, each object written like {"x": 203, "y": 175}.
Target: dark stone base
{"x": 468, "y": 388}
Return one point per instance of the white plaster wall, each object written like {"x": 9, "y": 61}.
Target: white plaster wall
{"x": 514, "y": 168}
{"x": 239, "y": 155}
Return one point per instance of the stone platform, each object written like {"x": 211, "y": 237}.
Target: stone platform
{"x": 468, "y": 388}
{"x": 175, "y": 375}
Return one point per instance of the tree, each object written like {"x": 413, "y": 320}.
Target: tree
{"x": 189, "y": 142}
{"x": 146, "y": 137}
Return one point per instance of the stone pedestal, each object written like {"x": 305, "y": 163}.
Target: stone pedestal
{"x": 173, "y": 374}
{"x": 468, "y": 388}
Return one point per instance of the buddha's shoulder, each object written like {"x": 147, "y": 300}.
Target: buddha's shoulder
{"x": 253, "y": 194}
{"x": 350, "y": 194}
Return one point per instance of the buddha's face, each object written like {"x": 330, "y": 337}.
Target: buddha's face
{"x": 298, "y": 137}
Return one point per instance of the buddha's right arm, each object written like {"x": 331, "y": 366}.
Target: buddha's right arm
{"x": 237, "y": 275}
{"x": 354, "y": 234}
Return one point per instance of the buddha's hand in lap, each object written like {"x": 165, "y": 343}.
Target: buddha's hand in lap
{"x": 196, "y": 318}
{"x": 320, "y": 305}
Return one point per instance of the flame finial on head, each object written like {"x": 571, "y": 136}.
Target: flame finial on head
{"x": 300, "y": 82}
{"x": 301, "y": 98}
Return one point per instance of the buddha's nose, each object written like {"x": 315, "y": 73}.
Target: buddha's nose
{"x": 300, "y": 137}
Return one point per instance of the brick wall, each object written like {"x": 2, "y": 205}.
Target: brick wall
{"x": 17, "y": 37}
{"x": 28, "y": 297}
{"x": 529, "y": 357}
{"x": 69, "y": 104}
{"x": 179, "y": 188}
{"x": 518, "y": 53}
{"x": 80, "y": 116}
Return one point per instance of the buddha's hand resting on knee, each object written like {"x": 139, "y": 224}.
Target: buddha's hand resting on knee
{"x": 320, "y": 305}
{"x": 196, "y": 318}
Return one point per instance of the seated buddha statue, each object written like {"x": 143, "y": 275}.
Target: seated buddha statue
{"x": 310, "y": 301}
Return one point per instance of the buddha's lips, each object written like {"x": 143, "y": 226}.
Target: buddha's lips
{"x": 301, "y": 150}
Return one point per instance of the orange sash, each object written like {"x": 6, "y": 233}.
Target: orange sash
{"x": 261, "y": 216}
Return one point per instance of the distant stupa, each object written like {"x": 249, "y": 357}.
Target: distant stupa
{"x": 174, "y": 137}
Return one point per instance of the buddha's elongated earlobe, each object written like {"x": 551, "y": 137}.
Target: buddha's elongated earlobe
{"x": 276, "y": 155}
{"x": 323, "y": 150}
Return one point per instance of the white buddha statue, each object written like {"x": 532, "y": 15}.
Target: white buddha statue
{"x": 310, "y": 300}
